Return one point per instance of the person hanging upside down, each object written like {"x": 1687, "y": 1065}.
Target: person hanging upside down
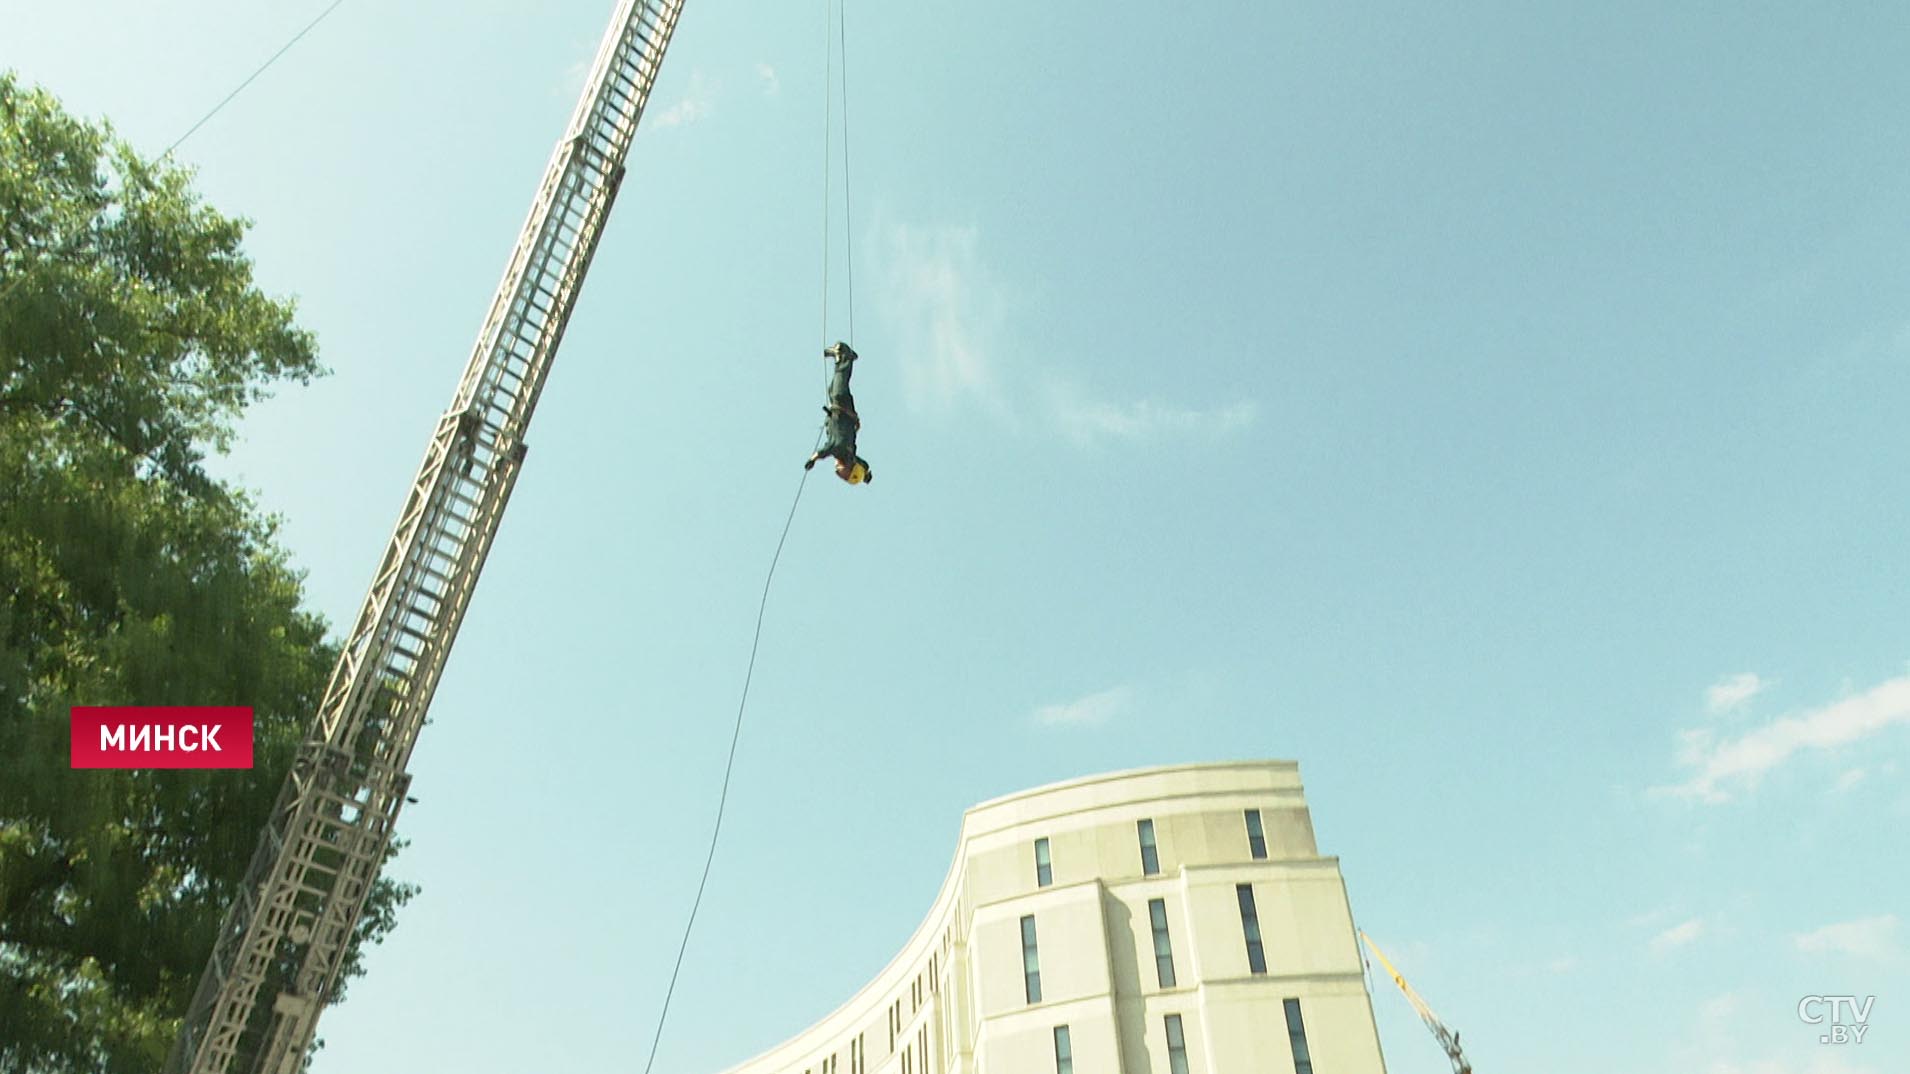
{"x": 841, "y": 423}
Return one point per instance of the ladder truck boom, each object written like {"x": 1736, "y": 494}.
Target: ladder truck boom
{"x": 1448, "y": 1040}
{"x": 276, "y": 957}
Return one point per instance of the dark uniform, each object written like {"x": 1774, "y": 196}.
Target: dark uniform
{"x": 841, "y": 423}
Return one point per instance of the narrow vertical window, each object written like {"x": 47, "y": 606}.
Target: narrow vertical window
{"x": 1176, "y": 1046}
{"x": 1063, "y": 1051}
{"x": 1256, "y": 836}
{"x": 1250, "y": 924}
{"x": 1296, "y": 1036}
{"x": 1163, "y": 946}
{"x": 1030, "y": 962}
{"x": 1044, "y": 869}
{"x": 1150, "y": 857}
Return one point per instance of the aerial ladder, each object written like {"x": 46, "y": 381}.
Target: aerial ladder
{"x": 276, "y": 958}
{"x": 1448, "y": 1040}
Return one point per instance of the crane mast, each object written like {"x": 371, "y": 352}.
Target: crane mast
{"x": 276, "y": 957}
{"x": 1448, "y": 1040}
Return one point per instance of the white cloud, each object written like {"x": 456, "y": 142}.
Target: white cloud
{"x": 1849, "y": 779}
{"x": 946, "y": 312}
{"x": 1718, "y": 1009}
{"x": 1823, "y": 1062}
{"x": 1090, "y": 711}
{"x": 1721, "y": 764}
{"x": 771, "y": 82}
{"x": 572, "y": 82}
{"x": 1087, "y": 421}
{"x": 1677, "y": 935}
{"x": 1736, "y": 1022}
{"x": 698, "y": 100}
{"x": 1872, "y": 938}
{"x": 1727, "y": 694}
{"x": 1647, "y": 918}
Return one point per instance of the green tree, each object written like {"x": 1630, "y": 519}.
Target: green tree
{"x": 132, "y": 336}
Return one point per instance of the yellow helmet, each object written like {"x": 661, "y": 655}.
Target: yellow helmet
{"x": 858, "y": 473}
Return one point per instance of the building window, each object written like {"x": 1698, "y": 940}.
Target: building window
{"x": 1296, "y": 1036}
{"x": 1044, "y": 869}
{"x": 1163, "y": 947}
{"x": 1150, "y": 857}
{"x": 1030, "y": 962}
{"x": 1256, "y": 836}
{"x": 1176, "y": 1046}
{"x": 1063, "y": 1051}
{"x": 1250, "y": 924}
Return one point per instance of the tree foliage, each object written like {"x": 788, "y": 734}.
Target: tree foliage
{"x": 132, "y": 336}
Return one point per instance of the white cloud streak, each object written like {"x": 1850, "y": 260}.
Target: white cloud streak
{"x": 1091, "y": 421}
{"x": 946, "y": 312}
{"x": 1719, "y": 765}
{"x": 1874, "y": 939}
{"x": 698, "y": 100}
{"x": 1677, "y": 935}
{"x": 1090, "y": 711}
{"x": 1727, "y": 694}
{"x": 771, "y": 82}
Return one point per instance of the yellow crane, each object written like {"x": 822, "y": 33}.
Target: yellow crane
{"x": 1447, "y": 1038}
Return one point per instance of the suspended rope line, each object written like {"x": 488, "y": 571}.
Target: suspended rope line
{"x": 729, "y": 766}
{"x": 283, "y": 49}
{"x": 848, "y": 217}
{"x": 762, "y": 605}
{"x": 828, "y": 85}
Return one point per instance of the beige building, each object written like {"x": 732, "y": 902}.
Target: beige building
{"x": 1162, "y": 921}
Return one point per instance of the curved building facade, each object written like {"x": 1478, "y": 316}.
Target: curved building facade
{"x": 1162, "y": 921}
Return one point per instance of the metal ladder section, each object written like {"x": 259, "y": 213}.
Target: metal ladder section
{"x": 278, "y": 952}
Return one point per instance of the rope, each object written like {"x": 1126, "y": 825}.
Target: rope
{"x": 848, "y": 217}
{"x": 283, "y": 49}
{"x": 728, "y": 767}
{"x": 828, "y": 82}
{"x": 729, "y": 764}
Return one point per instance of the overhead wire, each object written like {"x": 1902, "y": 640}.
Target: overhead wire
{"x": 14, "y": 283}
{"x": 274, "y": 58}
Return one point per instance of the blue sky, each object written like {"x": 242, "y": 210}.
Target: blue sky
{"x": 1501, "y": 411}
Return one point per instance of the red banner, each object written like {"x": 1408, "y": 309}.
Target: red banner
{"x": 162, "y": 736}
